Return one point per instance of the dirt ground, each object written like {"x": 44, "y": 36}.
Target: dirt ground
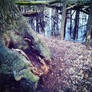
{"x": 71, "y": 67}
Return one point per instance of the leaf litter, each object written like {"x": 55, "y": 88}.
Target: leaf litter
{"x": 71, "y": 69}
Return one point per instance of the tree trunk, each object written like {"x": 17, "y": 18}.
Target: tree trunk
{"x": 63, "y": 21}
{"x": 57, "y": 25}
{"x": 89, "y": 27}
{"x": 70, "y": 22}
{"x": 37, "y": 23}
{"x": 13, "y": 68}
{"x": 16, "y": 33}
{"x": 75, "y": 33}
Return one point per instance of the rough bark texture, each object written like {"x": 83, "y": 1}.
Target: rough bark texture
{"x": 16, "y": 29}
{"x": 63, "y": 21}
{"x": 89, "y": 27}
{"x": 13, "y": 68}
{"x": 16, "y": 33}
{"x": 75, "y": 33}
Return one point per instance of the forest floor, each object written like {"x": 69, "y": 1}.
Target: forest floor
{"x": 71, "y": 67}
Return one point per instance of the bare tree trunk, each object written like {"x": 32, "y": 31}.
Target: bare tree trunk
{"x": 70, "y": 22}
{"x": 42, "y": 23}
{"x": 56, "y": 23}
{"x": 63, "y": 21}
{"x": 89, "y": 27}
{"x": 75, "y": 33}
{"x": 37, "y": 24}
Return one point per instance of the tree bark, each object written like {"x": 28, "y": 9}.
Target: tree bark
{"x": 70, "y": 22}
{"x": 16, "y": 33}
{"x": 89, "y": 27}
{"x": 63, "y": 21}
{"x": 13, "y": 68}
{"x": 75, "y": 33}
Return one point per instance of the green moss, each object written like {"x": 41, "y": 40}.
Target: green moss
{"x": 11, "y": 62}
{"x": 32, "y": 3}
{"x": 29, "y": 75}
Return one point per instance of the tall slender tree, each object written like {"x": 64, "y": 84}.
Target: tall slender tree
{"x": 75, "y": 33}
{"x": 63, "y": 21}
{"x": 89, "y": 26}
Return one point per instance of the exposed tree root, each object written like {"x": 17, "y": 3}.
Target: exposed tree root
{"x": 44, "y": 68}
